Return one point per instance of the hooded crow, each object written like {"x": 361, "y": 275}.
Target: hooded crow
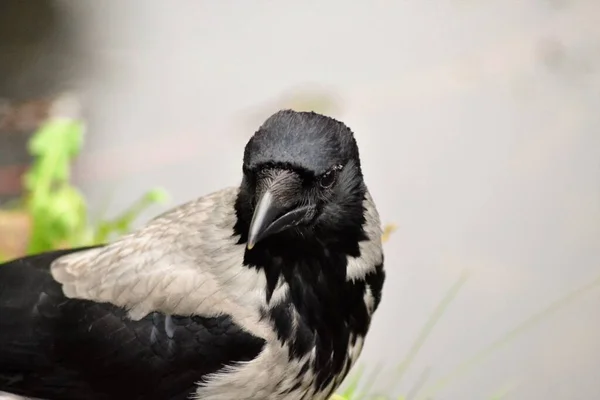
{"x": 262, "y": 291}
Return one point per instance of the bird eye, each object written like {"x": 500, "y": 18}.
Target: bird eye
{"x": 328, "y": 178}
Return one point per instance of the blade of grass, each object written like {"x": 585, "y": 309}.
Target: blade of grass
{"x": 431, "y": 322}
{"x": 434, "y": 318}
{"x": 338, "y": 397}
{"x": 426, "y": 330}
{"x": 369, "y": 381}
{"x": 412, "y": 392}
{"x": 351, "y": 389}
{"x": 507, "y": 389}
{"x": 480, "y": 356}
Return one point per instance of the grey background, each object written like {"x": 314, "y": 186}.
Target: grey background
{"x": 478, "y": 129}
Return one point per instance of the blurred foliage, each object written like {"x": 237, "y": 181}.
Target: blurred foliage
{"x": 360, "y": 384}
{"x": 56, "y": 210}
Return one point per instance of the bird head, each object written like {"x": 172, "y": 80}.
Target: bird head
{"x": 301, "y": 174}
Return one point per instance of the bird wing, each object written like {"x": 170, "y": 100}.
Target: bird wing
{"x": 186, "y": 262}
{"x": 52, "y": 347}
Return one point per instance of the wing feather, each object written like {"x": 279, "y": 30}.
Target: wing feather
{"x": 52, "y": 347}
{"x": 186, "y": 262}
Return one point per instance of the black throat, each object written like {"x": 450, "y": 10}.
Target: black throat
{"x": 330, "y": 310}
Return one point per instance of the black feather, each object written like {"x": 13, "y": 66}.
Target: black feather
{"x": 312, "y": 260}
{"x": 331, "y": 309}
{"x": 303, "y": 140}
{"x": 56, "y": 348}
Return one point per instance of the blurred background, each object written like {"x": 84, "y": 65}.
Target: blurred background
{"x": 478, "y": 126}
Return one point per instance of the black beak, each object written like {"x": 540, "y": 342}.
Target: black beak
{"x": 275, "y": 211}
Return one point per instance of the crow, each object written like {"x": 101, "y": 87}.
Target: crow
{"x": 261, "y": 291}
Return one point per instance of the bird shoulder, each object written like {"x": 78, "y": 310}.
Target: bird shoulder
{"x": 186, "y": 262}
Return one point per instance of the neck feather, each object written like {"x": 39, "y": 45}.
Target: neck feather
{"x": 322, "y": 289}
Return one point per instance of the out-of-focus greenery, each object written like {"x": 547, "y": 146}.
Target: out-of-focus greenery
{"x": 360, "y": 384}
{"x": 57, "y": 210}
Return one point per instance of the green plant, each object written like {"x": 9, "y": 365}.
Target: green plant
{"x": 57, "y": 209}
